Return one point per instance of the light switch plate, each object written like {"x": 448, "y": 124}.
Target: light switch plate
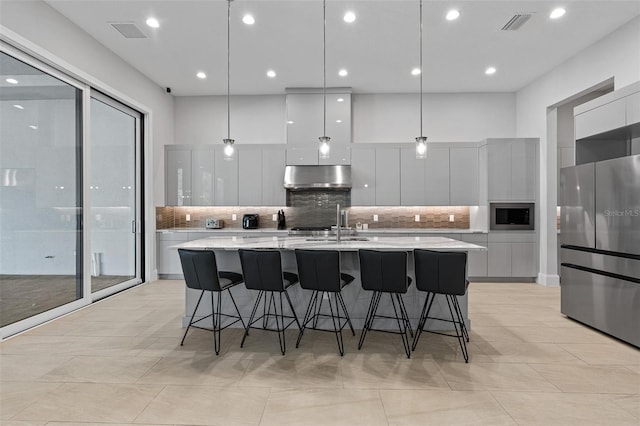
{"x": 451, "y": 218}
{"x": 375, "y": 217}
{"x": 188, "y": 217}
{"x": 234, "y": 216}
{"x": 417, "y": 218}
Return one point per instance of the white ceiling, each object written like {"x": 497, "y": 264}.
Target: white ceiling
{"x": 379, "y": 49}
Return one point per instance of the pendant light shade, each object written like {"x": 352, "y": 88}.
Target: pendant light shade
{"x": 421, "y": 141}
{"x": 325, "y": 148}
{"x": 229, "y": 151}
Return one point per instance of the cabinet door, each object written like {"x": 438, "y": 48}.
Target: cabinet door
{"x": 601, "y": 119}
{"x": 363, "y": 177}
{"x": 437, "y": 177}
{"x": 463, "y": 182}
{"x": 633, "y": 109}
{"x": 412, "y": 178}
{"x": 178, "y": 178}
{"x": 499, "y": 171}
{"x": 499, "y": 260}
{"x": 304, "y": 118}
{"x": 387, "y": 176}
{"x": 523, "y": 170}
{"x": 226, "y": 179}
{"x": 302, "y": 156}
{"x": 249, "y": 168}
{"x": 524, "y": 260}
{"x": 202, "y": 177}
{"x": 338, "y": 155}
{"x": 273, "y": 192}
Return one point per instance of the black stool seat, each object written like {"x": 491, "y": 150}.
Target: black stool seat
{"x": 442, "y": 273}
{"x": 201, "y": 273}
{"x": 386, "y": 272}
{"x": 262, "y": 270}
{"x": 319, "y": 272}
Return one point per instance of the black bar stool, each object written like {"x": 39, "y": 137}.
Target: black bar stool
{"x": 262, "y": 270}
{"x": 319, "y": 271}
{"x": 201, "y": 273}
{"x": 442, "y": 273}
{"x": 386, "y": 272}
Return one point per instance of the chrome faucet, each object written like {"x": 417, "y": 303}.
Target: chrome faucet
{"x": 338, "y": 223}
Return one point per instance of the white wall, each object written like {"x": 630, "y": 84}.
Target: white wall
{"x": 614, "y": 56}
{"x": 463, "y": 117}
{"x": 202, "y": 120}
{"x": 40, "y": 28}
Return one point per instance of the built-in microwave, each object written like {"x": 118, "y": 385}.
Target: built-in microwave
{"x": 512, "y": 217}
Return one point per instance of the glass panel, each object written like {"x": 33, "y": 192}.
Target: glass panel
{"x": 40, "y": 172}
{"x": 113, "y": 195}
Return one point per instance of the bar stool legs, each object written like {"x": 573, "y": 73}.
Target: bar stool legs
{"x": 401, "y": 317}
{"x": 314, "y": 312}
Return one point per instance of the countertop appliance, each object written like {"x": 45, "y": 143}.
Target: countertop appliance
{"x": 282, "y": 221}
{"x": 214, "y": 223}
{"x": 250, "y": 221}
{"x": 600, "y": 246}
{"x": 512, "y": 217}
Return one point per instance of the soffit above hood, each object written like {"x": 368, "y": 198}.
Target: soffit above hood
{"x": 317, "y": 177}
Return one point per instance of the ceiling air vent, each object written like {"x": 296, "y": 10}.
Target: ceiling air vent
{"x": 516, "y": 22}
{"x": 128, "y": 30}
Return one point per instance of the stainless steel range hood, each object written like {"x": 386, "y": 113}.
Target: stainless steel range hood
{"x": 317, "y": 177}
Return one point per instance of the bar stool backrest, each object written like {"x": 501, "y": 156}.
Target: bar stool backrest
{"x": 384, "y": 271}
{"x": 441, "y": 272}
{"x": 319, "y": 269}
{"x": 200, "y": 269}
{"x": 262, "y": 269}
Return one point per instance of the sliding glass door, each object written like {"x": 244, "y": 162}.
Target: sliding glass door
{"x": 41, "y": 244}
{"x": 114, "y": 188}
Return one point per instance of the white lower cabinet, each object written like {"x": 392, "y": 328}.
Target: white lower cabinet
{"x": 512, "y": 255}
{"x": 476, "y": 260}
{"x": 168, "y": 259}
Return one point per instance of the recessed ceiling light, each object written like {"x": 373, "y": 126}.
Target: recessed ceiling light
{"x": 11, "y": 80}
{"x": 415, "y": 71}
{"x": 248, "y": 19}
{"x": 452, "y": 15}
{"x": 349, "y": 17}
{"x": 343, "y": 73}
{"x": 33, "y": 127}
{"x": 340, "y": 100}
{"x": 201, "y": 75}
{"x": 153, "y": 23}
{"x": 18, "y": 106}
{"x": 557, "y": 13}
{"x": 290, "y": 122}
{"x": 490, "y": 71}
{"x": 338, "y": 121}
{"x": 271, "y": 73}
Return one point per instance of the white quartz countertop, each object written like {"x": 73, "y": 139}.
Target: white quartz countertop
{"x": 292, "y": 243}
{"x": 370, "y": 231}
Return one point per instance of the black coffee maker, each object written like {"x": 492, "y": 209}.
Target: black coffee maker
{"x": 250, "y": 221}
{"x": 282, "y": 222}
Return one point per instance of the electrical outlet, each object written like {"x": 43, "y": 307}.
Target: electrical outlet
{"x": 188, "y": 217}
{"x": 375, "y": 217}
{"x": 451, "y": 218}
{"x": 274, "y": 217}
{"x": 234, "y": 216}
{"x": 416, "y": 218}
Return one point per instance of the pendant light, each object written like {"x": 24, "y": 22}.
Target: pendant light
{"x": 228, "y": 142}
{"x": 421, "y": 141}
{"x": 325, "y": 148}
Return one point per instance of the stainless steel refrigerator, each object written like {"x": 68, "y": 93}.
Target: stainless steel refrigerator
{"x": 600, "y": 245}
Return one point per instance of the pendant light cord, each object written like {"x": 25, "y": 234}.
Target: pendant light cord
{"x": 324, "y": 67}
{"x": 421, "y": 70}
{"x": 228, "y": 68}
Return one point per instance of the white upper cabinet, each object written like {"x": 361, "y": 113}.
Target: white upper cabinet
{"x": 598, "y": 120}
{"x": 633, "y": 109}
{"x": 363, "y": 177}
{"x": 202, "y": 177}
{"x": 512, "y": 169}
{"x": 338, "y": 155}
{"x": 249, "y": 168}
{"x": 412, "y": 178}
{"x": 261, "y": 176}
{"x": 387, "y": 177}
{"x": 225, "y": 178}
{"x": 305, "y": 118}
{"x": 178, "y": 177}
{"x": 464, "y": 172}
{"x": 299, "y": 156}
{"x": 437, "y": 177}
{"x": 273, "y": 163}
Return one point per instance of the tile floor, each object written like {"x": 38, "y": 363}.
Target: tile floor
{"x": 120, "y": 362}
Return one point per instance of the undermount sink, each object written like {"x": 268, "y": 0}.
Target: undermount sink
{"x": 341, "y": 239}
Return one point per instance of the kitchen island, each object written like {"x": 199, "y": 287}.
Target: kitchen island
{"x": 356, "y": 299}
